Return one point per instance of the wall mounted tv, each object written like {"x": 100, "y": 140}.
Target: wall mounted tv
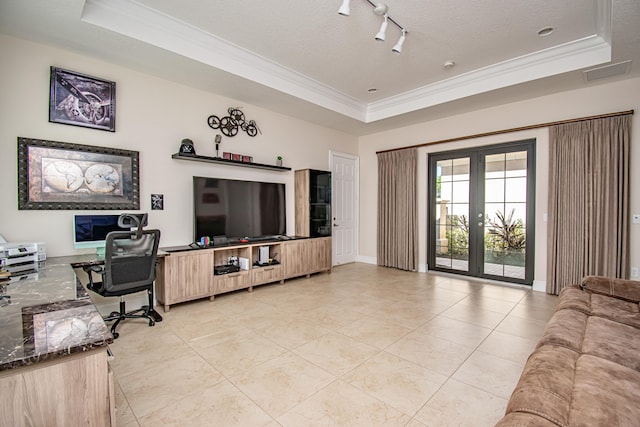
{"x": 238, "y": 209}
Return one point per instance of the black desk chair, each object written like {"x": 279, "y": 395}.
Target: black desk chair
{"x": 129, "y": 267}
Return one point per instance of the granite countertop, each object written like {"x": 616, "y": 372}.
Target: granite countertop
{"x": 50, "y": 316}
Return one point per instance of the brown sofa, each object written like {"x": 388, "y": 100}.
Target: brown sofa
{"x": 585, "y": 370}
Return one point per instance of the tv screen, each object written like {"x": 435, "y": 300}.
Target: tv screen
{"x": 238, "y": 209}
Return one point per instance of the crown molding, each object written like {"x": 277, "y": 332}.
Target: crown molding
{"x": 132, "y": 19}
{"x": 139, "y": 22}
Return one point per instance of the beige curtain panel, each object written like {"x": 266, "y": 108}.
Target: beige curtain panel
{"x": 588, "y": 230}
{"x": 398, "y": 209}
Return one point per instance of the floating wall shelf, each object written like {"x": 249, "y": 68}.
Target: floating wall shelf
{"x": 206, "y": 159}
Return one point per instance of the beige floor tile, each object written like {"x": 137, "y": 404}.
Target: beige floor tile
{"x": 458, "y": 331}
{"x": 477, "y": 300}
{"x": 333, "y": 317}
{"x": 458, "y": 404}
{"x": 376, "y": 331}
{"x": 507, "y": 346}
{"x": 158, "y": 386}
{"x": 137, "y": 348}
{"x": 474, "y": 315}
{"x": 526, "y": 328}
{"x": 292, "y": 332}
{"x": 504, "y": 293}
{"x": 238, "y": 352}
{"x": 490, "y": 373}
{"x": 533, "y": 312}
{"x": 124, "y": 414}
{"x": 220, "y": 405}
{"x": 336, "y": 353}
{"x": 404, "y": 385}
{"x": 341, "y": 404}
{"x": 282, "y": 383}
{"x": 437, "y": 354}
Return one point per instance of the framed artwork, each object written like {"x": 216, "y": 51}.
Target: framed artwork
{"x": 80, "y": 100}
{"x": 60, "y": 175}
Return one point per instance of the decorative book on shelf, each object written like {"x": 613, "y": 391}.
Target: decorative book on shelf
{"x": 219, "y": 160}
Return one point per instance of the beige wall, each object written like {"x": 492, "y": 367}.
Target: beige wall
{"x": 592, "y": 100}
{"x": 152, "y": 117}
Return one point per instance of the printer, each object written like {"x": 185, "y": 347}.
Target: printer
{"x": 21, "y": 257}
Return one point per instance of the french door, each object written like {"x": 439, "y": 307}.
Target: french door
{"x": 481, "y": 211}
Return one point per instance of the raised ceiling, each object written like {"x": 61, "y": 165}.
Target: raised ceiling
{"x": 301, "y": 58}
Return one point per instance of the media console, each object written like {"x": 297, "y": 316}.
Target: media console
{"x": 188, "y": 274}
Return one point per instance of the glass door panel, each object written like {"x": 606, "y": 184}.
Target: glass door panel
{"x": 452, "y": 214}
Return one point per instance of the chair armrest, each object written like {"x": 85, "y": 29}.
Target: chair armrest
{"x": 628, "y": 290}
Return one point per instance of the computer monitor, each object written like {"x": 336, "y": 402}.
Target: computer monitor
{"x": 90, "y": 231}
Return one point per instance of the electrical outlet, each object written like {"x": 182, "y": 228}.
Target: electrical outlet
{"x": 634, "y": 271}
{"x": 635, "y": 218}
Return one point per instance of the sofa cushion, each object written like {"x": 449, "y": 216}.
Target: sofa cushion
{"x": 546, "y": 385}
{"x": 566, "y": 328}
{"x": 605, "y": 394}
{"x": 619, "y": 310}
{"x": 613, "y": 341}
{"x": 519, "y": 419}
{"x": 618, "y": 288}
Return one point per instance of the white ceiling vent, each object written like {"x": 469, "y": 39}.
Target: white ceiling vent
{"x": 607, "y": 71}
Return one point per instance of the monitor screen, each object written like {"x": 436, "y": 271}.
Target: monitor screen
{"x": 90, "y": 231}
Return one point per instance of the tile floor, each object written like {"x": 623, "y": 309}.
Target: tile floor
{"x": 362, "y": 346}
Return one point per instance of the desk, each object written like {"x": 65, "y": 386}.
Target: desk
{"x": 53, "y": 358}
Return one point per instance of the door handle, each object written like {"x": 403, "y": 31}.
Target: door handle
{"x": 336, "y": 225}
{"x": 479, "y": 224}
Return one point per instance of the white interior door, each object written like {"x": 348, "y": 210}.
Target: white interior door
{"x": 344, "y": 184}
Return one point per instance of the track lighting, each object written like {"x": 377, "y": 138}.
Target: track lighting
{"x": 383, "y": 29}
{"x": 397, "y": 49}
{"x": 344, "y": 9}
{"x": 382, "y": 10}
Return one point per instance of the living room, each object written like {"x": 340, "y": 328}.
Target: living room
{"x": 154, "y": 114}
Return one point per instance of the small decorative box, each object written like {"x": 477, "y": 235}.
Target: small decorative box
{"x": 226, "y": 155}
{"x": 247, "y": 159}
{"x": 237, "y": 157}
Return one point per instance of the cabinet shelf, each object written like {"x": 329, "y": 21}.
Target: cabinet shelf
{"x": 206, "y": 159}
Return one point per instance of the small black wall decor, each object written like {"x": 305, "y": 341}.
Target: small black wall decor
{"x": 230, "y": 124}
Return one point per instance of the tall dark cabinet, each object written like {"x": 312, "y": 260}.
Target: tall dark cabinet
{"x": 313, "y": 203}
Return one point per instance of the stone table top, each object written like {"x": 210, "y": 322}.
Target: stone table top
{"x": 50, "y": 315}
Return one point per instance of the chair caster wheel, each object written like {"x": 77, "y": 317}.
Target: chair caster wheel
{"x": 151, "y": 323}
{"x": 115, "y": 335}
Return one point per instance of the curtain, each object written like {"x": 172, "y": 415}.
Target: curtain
{"x": 398, "y": 209}
{"x": 588, "y": 200}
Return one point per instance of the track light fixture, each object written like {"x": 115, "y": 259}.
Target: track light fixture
{"x": 383, "y": 29}
{"x": 397, "y": 49}
{"x": 344, "y": 9}
{"x": 380, "y": 9}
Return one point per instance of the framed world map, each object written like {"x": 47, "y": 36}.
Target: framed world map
{"x": 60, "y": 175}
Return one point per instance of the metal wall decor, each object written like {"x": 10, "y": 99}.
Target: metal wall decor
{"x": 230, "y": 124}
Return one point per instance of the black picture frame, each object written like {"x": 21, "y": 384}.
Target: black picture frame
{"x": 80, "y": 100}
{"x": 56, "y": 175}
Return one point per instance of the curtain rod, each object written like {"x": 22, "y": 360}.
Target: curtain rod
{"x": 499, "y": 132}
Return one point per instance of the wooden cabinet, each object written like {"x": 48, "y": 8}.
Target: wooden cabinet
{"x": 304, "y": 257}
{"x": 188, "y": 275}
{"x": 70, "y": 391}
{"x": 313, "y": 203}
{"x": 184, "y": 276}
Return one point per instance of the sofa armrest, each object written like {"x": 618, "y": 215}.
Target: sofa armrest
{"x": 628, "y": 290}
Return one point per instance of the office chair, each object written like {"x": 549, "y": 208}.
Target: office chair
{"x": 129, "y": 267}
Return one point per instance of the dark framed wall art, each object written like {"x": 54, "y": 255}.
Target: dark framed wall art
{"x": 64, "y": 176}
{"x": 81, "y": 100}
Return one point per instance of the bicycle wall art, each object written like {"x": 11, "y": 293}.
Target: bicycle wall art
{"x": 80, "y": 100}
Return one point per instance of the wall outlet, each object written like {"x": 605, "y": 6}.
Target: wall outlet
{"x": 634, "y": 271}
{"x": 635, "y": 218}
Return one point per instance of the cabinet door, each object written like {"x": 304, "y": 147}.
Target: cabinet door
{"x": 297, "y": 256}
{"x": 187, "y": 276}
{"x": 320, "y": 254}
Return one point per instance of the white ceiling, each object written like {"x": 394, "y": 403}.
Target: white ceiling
{"x": 301, "y": 58}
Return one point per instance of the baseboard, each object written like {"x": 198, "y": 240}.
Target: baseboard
{"x": 540, "y": 286}
{"x": 367, "y": 259}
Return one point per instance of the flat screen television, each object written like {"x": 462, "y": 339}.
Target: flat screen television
{"x": 90, "y": 231}
{"x": 238, "y": 209}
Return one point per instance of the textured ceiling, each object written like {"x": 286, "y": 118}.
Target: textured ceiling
{"x": 301, "y": 58}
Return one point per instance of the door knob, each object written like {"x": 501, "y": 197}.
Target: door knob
{"x": 480, "y": 224}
